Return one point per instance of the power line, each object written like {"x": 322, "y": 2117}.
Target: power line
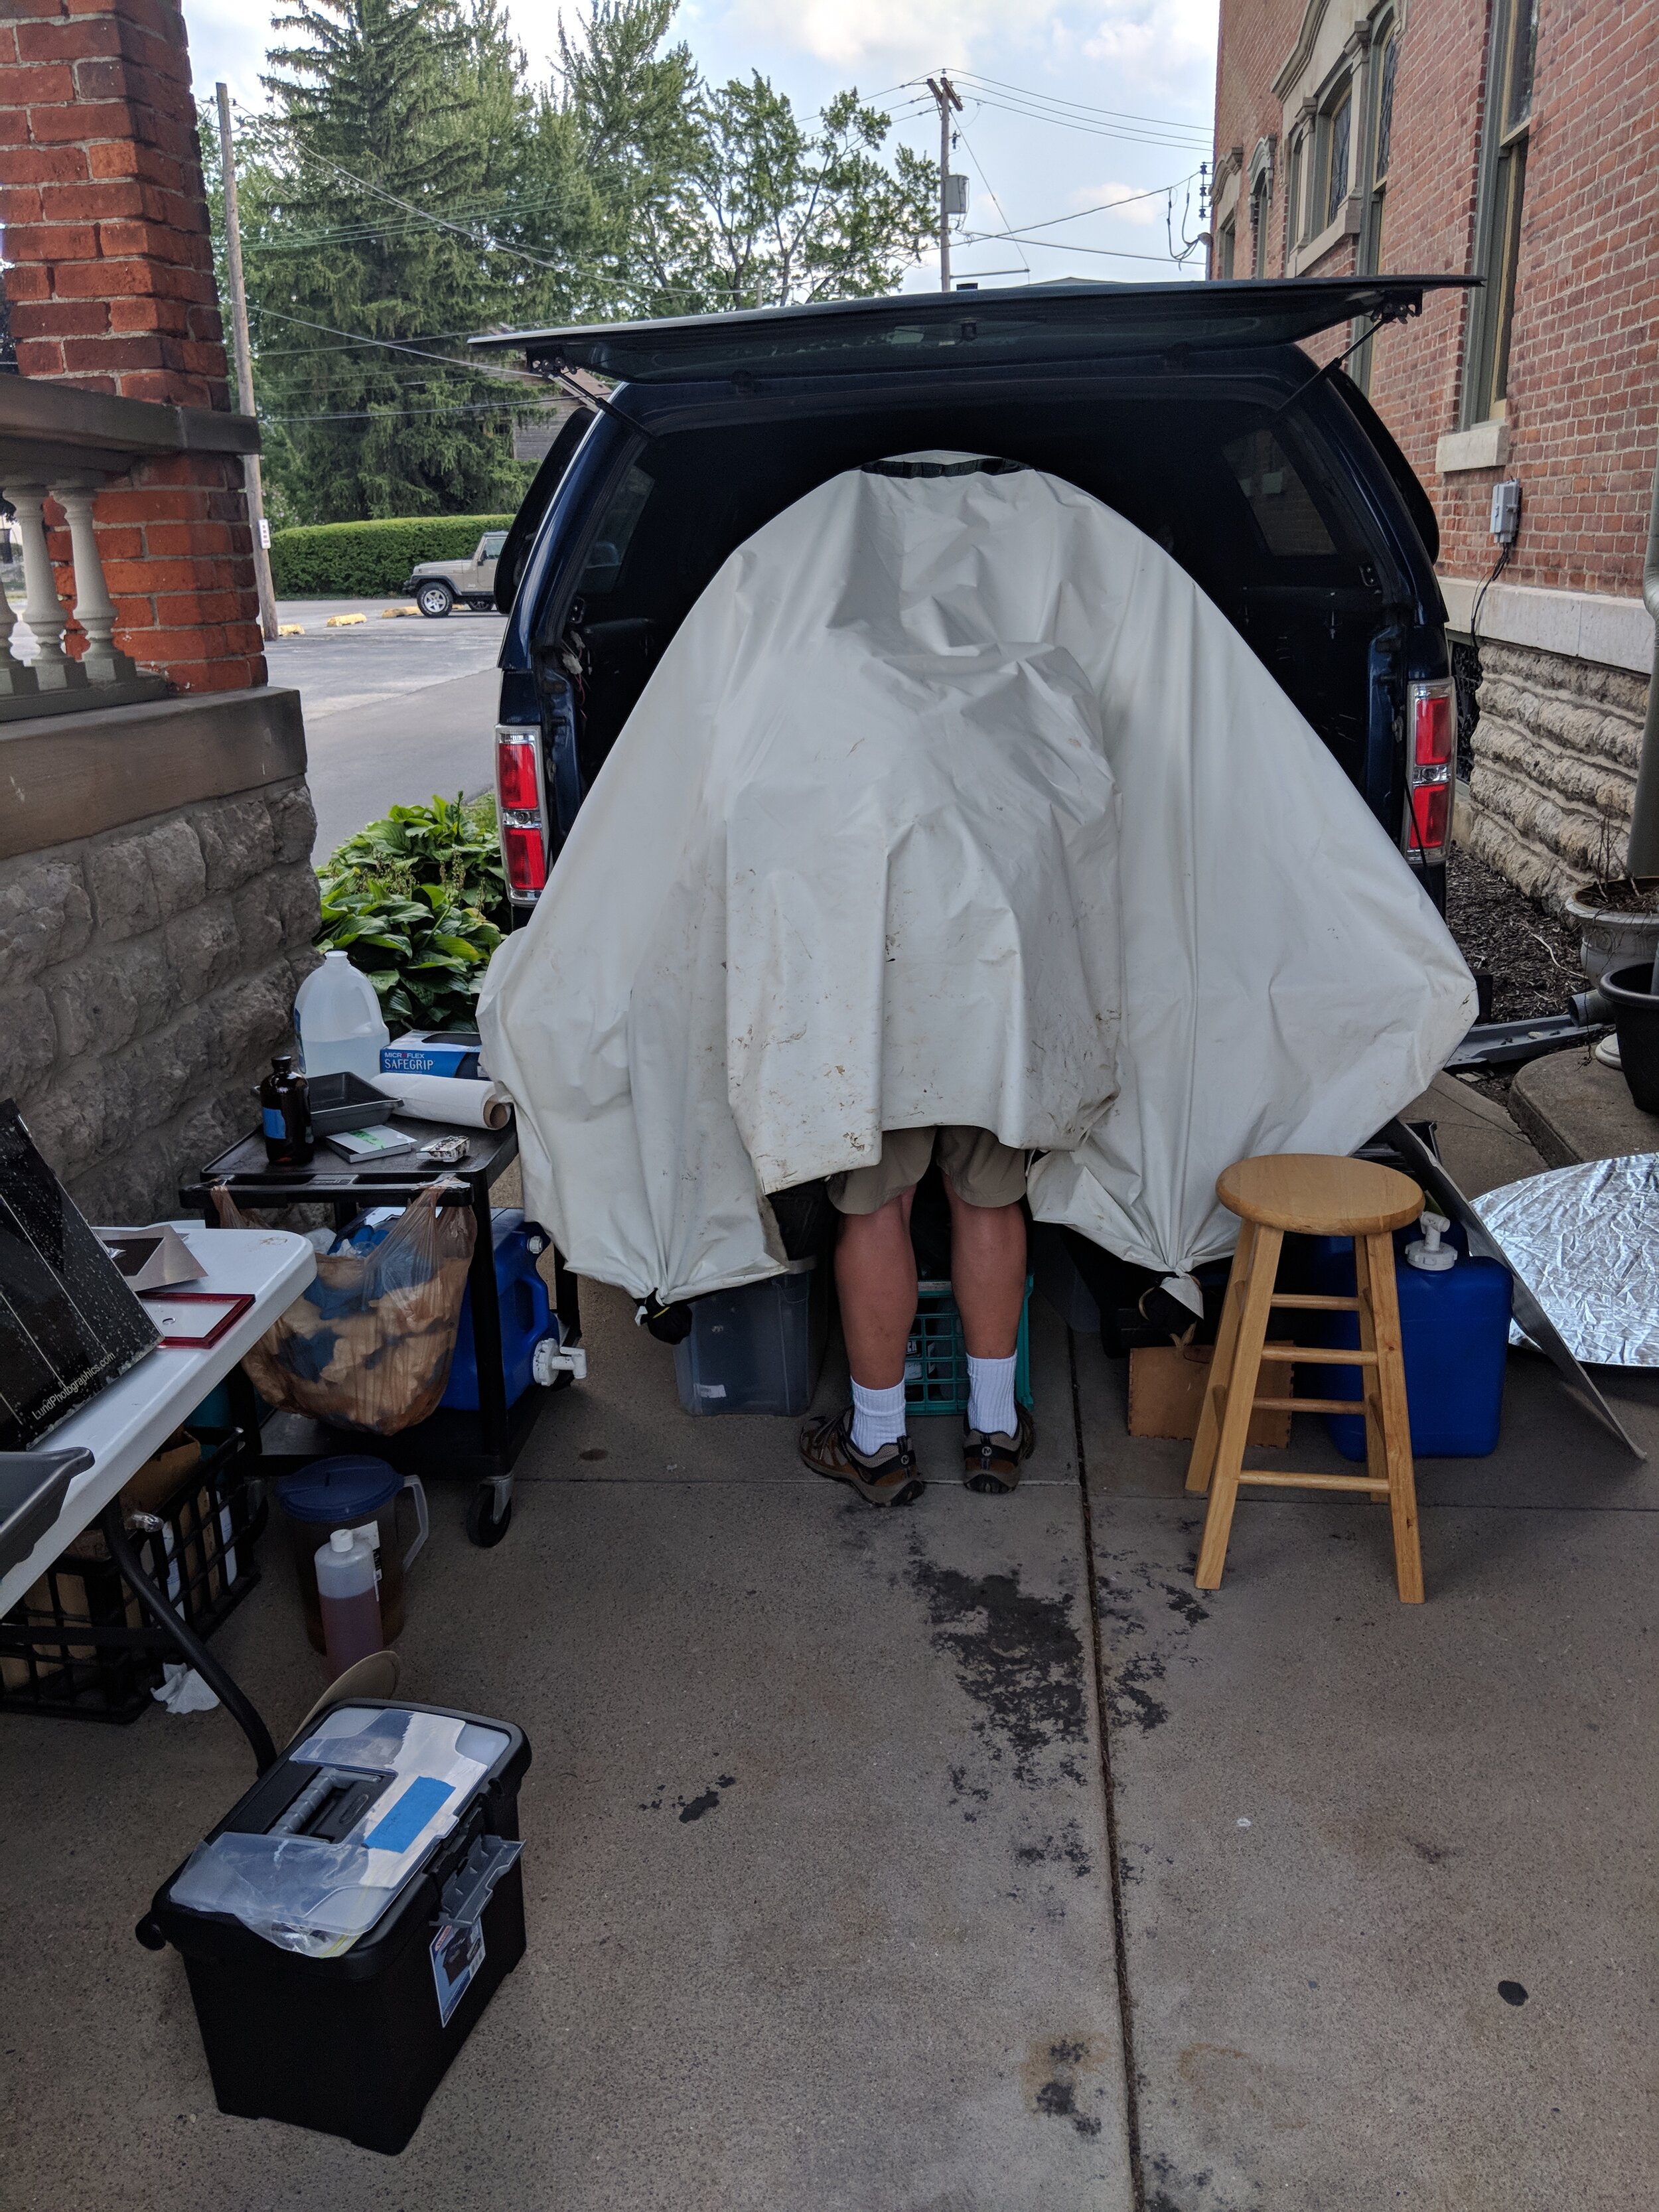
{"x": 397, "y": 346}
{"x": 438, "y": 223}
{"x": 1105, "y": 207}
{"x": 399, "y": 414}
{"x": 1125, "y": 136}
{"x": 1080, "y": 107}
{"x": 1070, "y": 245}
{"x": 995, "y": 201}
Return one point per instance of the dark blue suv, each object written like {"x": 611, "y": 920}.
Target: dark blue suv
{"x": 1189, "y": 408}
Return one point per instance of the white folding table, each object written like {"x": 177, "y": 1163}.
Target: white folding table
{"x": 126, "y": 1423}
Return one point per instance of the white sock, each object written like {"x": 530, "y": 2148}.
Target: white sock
{"x": 991, "y": 1395}
{"x": 877, "y": 1417}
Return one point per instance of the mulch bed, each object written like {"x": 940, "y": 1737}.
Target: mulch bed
{"x": 1531, "y": 955}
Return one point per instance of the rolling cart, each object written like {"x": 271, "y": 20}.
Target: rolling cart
{"x": 482, "y": 1446}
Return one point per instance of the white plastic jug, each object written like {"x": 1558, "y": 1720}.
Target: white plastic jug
{"x": 338, "y": 1017}
{"x": 346, "y": 1589}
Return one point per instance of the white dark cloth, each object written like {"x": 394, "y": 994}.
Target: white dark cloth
{"x": 933, "y": 766}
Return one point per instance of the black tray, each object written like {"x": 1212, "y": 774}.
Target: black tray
{"x": 346, "y": 1102}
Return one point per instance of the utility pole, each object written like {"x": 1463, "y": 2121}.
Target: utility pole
{"x": 946, "y": 93}
{"x": 255, "y": 499}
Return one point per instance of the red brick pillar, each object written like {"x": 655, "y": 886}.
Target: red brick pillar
{"x": 111, "y": 286}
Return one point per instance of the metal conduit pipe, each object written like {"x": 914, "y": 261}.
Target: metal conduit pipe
{"x": 1643, "y": 859}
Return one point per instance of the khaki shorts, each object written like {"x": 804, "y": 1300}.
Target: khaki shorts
{"x": 982, "y": 1170}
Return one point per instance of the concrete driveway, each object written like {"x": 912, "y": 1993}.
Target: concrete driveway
{"x": 395, "y": 709}
{"x": 961, "y": 1859}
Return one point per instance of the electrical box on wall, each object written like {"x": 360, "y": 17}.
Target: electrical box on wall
{"x": 1506, "y": 510}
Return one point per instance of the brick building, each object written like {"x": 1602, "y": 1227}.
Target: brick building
{"x": 1517, "y": 140}
{"x": 157, "y": 899}
{"x": 110, "y": 286}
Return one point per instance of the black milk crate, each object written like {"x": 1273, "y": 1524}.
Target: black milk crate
{"x": 79, "y": 1645}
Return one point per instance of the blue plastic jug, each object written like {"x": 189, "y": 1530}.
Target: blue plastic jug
{"x": 1455, "y": 1327}
{"x": 526, "y": 1314}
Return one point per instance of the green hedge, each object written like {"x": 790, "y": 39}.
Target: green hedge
{"x": 368, "y": 560}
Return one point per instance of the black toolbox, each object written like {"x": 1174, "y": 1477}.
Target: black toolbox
{"x": 355, "y": 2044}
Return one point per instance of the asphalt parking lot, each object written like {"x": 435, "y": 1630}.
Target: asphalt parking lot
{"x": 395, "y": 708}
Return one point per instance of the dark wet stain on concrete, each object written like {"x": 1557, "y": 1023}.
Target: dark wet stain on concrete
{"x": 594, "y": 1451}
{"x": 1184, "y": 1602}
{"x": 1058, "y": 2099}
{"x": 960, "y": 1787}
{"x": 1065, "y": 1849}
{"x": 1019, "y": 1656}
{"x": 1140, "y": 1645}
{"x": 1434, "y": 1854}
{"x": 693, "y": 1808}
{"x": 1132, "y": 1702}
{"x": 1050, "y": 2076}
{"x": 1170, "y": 2190}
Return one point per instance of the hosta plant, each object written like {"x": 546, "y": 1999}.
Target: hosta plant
{"x": 418, "y": 900}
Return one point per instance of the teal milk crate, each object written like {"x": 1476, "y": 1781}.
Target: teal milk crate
{"x": 936, "y": 1358}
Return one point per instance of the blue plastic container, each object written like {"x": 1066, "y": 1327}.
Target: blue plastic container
{"x": 1455, "y": 1327}
{"x": 526, "y": 1315}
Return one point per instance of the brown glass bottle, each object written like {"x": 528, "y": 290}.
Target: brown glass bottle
{"x": 285, "y": 1115}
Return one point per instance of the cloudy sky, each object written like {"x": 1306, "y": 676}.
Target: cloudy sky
{"x": 1068, "y": 108}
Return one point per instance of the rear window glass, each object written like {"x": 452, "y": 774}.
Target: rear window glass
{"x": 616, "y": 529}
{"x": 1289, "y": 523}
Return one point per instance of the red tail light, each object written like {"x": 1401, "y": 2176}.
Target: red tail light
{"x": 1434, "y": 732}
{"x": 526, "y": 856}
{"x": 516, "y": 781}
{"x": 521, "y": 814}
{"x": 1430, "y": 818}
{"x": 1431, "y": 710}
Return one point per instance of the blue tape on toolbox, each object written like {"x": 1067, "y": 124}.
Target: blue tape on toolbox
{"x": 397, "y": 1830}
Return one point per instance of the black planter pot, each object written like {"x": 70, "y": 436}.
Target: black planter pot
{"x": 1636, "y": 1011}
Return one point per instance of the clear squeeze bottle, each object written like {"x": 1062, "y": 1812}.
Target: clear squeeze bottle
{"x": 349, "y": 1600}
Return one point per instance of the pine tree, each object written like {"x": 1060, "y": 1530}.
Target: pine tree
{"x": 410, "y": 188}
{"x": 395, "y": 122}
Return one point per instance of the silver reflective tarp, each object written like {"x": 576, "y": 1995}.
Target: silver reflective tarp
{"x": 1585, "y": 1240}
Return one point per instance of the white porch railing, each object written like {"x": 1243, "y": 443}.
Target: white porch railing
{"x": 58, "y": 441}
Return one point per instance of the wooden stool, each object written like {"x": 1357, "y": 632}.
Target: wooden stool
{"x": 1314, "y": 1195}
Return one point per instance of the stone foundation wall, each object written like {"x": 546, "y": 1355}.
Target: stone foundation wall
{"x": 1555, "y": 757}
{"x": 147, "y": 974}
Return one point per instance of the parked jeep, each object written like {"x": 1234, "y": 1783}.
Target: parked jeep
{"x": 436, "y": 585}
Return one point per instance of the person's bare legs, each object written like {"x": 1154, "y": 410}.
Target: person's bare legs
{"x": 876, "y": 1279}
{"x": 988, "y": 1274}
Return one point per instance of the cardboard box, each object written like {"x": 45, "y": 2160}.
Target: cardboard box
{"x": 1167, "y": 1383}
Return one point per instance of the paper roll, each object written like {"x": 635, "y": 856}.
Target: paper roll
{"x": 453, "y": 1099}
